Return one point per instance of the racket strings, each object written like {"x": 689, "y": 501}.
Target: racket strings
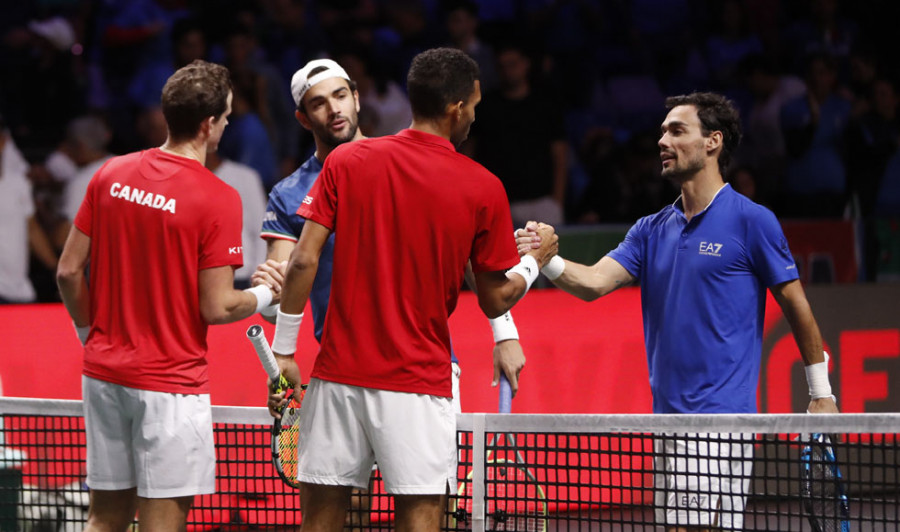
{"x": 822, "y": 491}
{"x": 286, "y": 437}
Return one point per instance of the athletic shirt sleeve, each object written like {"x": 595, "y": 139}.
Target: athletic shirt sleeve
{"x": 768, "y": 249}
{"x": 630, "y": 252}
{"x": 320, "y": 205}
{"x": 494, "y": 248}
{"x": 220, "y": 238}
{"x": 277, "y": 222}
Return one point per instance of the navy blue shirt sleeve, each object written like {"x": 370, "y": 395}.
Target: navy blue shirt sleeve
{"x": 277, "y": 221}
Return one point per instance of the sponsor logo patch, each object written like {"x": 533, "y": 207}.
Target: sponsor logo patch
{"x": 711, "y": 249}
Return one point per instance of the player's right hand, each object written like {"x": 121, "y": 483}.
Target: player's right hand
{"x": 289, "y": 369}
{"x": 527, "y": 238}
{"x": 271, "y": 274}
{"x": 549, "y": 244}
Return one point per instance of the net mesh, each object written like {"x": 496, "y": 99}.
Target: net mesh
{"x": 516, "y": 472}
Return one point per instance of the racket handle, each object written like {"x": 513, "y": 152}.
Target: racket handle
{"x": 505, "y": 395}
{"x": 257, "y": 337}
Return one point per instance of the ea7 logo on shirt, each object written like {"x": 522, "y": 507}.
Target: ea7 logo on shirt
{"x": 710, "y": 248}
{"x": 307, "y": 200}
{"x": 692, "y": 500}
{"x": 235, "y": 250}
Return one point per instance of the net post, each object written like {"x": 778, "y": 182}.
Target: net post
{"x": 478, "y": 450}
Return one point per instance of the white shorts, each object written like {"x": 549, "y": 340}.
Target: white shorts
{"x": 455, "y": 371}
{"x": 344, "y": 429}
{"x": 702, "y": 479}
{"x": 457, "y": 406}
{"x": 161, "y": 443}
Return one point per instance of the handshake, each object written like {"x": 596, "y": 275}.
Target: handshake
{"x": 541, "y": 242}
{"x": 270, "y": 274}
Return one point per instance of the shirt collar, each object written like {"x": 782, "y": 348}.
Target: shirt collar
{"x": 314, "y": 163}
{"x": 677, "y": 204}
{"x": 427, "y": 138}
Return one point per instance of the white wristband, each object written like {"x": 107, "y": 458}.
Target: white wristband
{"x": 817, "y": 378}
{"x": 504, "y": 328}
{"x": 553, "y": 269}
{"x": 263, "y": 296}
{"x": 527, "y": 268}
{"x": 270, "y": 311}
{"x": 82, "y": 332}
{"x": 287, "y": 328}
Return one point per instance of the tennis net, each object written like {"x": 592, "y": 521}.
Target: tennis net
{"x": 519, "y": 472}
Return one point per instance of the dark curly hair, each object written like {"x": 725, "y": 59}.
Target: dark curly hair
{"x": 191, "y": 95}
{"x": 716, "y": 113}
{"x": 437, "y": 78}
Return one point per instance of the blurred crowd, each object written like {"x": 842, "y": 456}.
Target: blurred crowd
{"x": 573, "y": 94}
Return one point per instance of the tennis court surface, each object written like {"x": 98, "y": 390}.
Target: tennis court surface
{"x": 517, "y": 472}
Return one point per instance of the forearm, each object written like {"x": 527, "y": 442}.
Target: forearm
{"x": 73, "y": 290}
{"x": 221, "y": 303}
{"x": 234, "y": 305}
{"x": 278, "y": 251}
{"x": 791, "y": 297}
{"x": 495, "y": 303}
{"x": 301, "y": 272}
{"x": 299, "y": 276}
{"x": 70, "y": 277}
{"x": 805, "y": 330}
{"x": 591, "y": 282}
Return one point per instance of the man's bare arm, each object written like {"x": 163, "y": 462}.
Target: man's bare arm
{"x": 271, "y": 272}
{"x": 795, "y": 307}
{"x": 592, "y": 282}
{"x": 220, "y": 302}
{"x": 70, "y": 277}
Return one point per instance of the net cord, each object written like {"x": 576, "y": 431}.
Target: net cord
{"x": 569, "y": 423}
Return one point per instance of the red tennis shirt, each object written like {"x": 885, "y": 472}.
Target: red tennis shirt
{"x": 408, "y": 212}
{"x": 155, "y": 220}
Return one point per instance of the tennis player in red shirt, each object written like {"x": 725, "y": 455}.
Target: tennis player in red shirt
{"x": 409, "y": 212}
{"x": 162, "y": 235}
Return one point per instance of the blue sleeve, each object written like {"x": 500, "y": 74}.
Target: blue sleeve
{"x": 277, "y": 220}
{"x": 630, "y": 252}
{"x": 770, "y": 255}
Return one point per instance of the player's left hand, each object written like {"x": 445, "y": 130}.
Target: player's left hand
{"x": 276, "y": 399}
{"x": 510, "y": 359}
{"x": 291, "y": 371}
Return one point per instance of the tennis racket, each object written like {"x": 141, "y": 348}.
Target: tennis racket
{"x": 822, "y": 491}
{"x": 286, "y": 430}
{"x": 514, "y": 498}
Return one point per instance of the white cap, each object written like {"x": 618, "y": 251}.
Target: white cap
{"x": 301, "y": 82}
{"x": 57, "y": 30}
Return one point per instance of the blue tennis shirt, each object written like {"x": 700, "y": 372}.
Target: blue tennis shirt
{"x": 282, "y": 221}
{"x": 703, "y": 295}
